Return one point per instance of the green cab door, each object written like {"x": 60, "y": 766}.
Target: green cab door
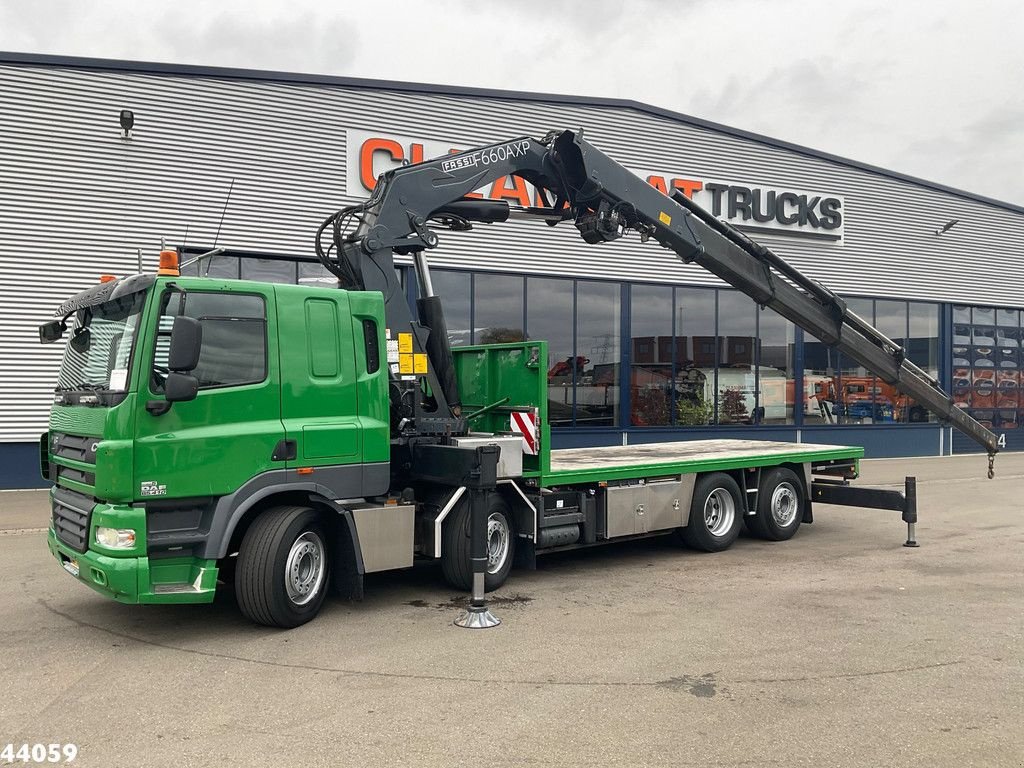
{"x": 333, "y": 406}
{"x": 210, "y": 446}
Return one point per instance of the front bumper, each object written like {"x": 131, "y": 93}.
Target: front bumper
{"x": 136, "y": 580}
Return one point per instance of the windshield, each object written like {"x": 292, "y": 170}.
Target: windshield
{"x": 100, "y": 345}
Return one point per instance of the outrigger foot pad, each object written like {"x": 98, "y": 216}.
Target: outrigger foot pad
{"x": 477, "y": 617}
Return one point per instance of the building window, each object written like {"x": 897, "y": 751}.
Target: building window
{"x": 211, "y": 266}
{"x": 549, "y": 313}
{"x": 845, "y": 393}
{"x": 455, "y": 290}
{"x": 736, "y": 385}
{"x": 269, "y": 270}
{"x": 653, "y": 356}
{"x": 597, "y": 354}
{"x": 987, "y": 365}
{"x": 315, "y": 273}
{"x": 497, "y": 308}
{"x": 776, "y": 376}
{"x": 696, "y": 357}
{"x": 843, "y": 390}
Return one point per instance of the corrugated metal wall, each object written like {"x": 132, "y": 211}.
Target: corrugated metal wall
{"x": 77, "y": 201}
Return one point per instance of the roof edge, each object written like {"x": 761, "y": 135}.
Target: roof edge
{"x": 233, "y": 73}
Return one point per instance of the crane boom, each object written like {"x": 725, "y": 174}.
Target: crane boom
{"x": 605, "y": 200}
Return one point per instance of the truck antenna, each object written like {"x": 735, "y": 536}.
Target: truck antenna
{"x": 223, "y": 211}
{"x": 215, "y": 250}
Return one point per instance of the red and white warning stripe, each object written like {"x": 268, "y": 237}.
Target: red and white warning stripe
{"x": 525, "y": 423}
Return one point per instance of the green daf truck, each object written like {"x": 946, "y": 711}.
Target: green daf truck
{"x": 288, "y": 439}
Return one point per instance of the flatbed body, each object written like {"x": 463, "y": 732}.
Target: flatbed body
{"x": 629, "y": 462}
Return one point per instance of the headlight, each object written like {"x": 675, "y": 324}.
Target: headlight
{"x": 115, "y": 538}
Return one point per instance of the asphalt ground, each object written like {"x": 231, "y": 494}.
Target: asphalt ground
{"x": 838, "y": 648}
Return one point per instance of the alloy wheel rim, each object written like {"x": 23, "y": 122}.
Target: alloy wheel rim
{"x": 304, "y": 568}
{"x": 784, "y": 504}
{"x": 498, "y": 539}
{"x": 719, "y": 512}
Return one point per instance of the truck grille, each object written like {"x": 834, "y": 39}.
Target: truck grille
{"x": 71, "y": 513}
{"x": 74, "y": 447}
{"x": 76, "y": 475}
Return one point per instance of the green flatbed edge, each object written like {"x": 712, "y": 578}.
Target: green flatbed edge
{"x": 588, "y": 465}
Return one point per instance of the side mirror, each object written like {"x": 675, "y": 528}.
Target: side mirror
{"x": 180, "y": 387}
{"x": 186, "y": 342}
{"x": 51, "y": 331}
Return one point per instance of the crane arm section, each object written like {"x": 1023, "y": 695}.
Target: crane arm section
{"x": 605, "y": 201}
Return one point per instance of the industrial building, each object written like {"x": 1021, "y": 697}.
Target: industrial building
{"x": 103, "y": 161}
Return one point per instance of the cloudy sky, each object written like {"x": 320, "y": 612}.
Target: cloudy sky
{"x": 933, "y": 89}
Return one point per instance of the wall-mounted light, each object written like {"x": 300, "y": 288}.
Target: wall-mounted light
{"x": 947, "y": 226}
{"x": 127, "y": 123}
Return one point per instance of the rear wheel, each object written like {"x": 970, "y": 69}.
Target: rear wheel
{"x": 283, "y": 567}
{"x": 715, "y": 514}
{"x": 780, "y": 506}
{"x": 456, "y": 561}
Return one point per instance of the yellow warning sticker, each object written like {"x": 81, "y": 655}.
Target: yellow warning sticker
{"x": 664, "y": 218}
{"x": 405, "y": 342}
{"x": 420, "y": 361}
{"x": 405, "y": 364}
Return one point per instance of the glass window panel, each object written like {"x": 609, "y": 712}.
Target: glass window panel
{"x": 549, "y": 310}
{"x": 737, "y": 334}
{"x": 961, "y": 314}
{"x": 855, "y": 403}
{"x": 597, "y": 354}
{"x": 828, "y": 401}
{"x": 776, "y": 375}
{"x": 268, "y": 270}
{"x": 453, "y": 288}
{"x": 891, "y": 319}
{"x": 1007, "y": 317}
{"x": 1007, "y": 330}
{"x": 652, "y": 376}
{"x": 820, "y": 381}
{"x": 923, "y": 349}
{"x": 986, "y": 365}
{"x": 695, "y": 357}
{"x": 923, "y": 343}
{"x": 984, "y": 316}
{"x": 497, "y": 308}
{"x": 219, "y": 266}
{"x": 314, "y": 273}
{"x": 234, "y": 348}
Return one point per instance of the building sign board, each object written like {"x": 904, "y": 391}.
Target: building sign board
{"x": 753, "y": 207}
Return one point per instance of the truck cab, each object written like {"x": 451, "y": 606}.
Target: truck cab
{"x": 154, "y": 486}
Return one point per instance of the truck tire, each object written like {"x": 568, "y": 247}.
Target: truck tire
{"x": 780, "y": 506}
{"x": 283, "y": 570}
{"x": 456, "y": 563}
{"x": 715, "y": 515}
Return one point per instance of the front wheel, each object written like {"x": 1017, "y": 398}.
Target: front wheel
{"x": 283, "y": 568}
{"x": 456, "y": 561}
{"x": 715, "y": 515}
